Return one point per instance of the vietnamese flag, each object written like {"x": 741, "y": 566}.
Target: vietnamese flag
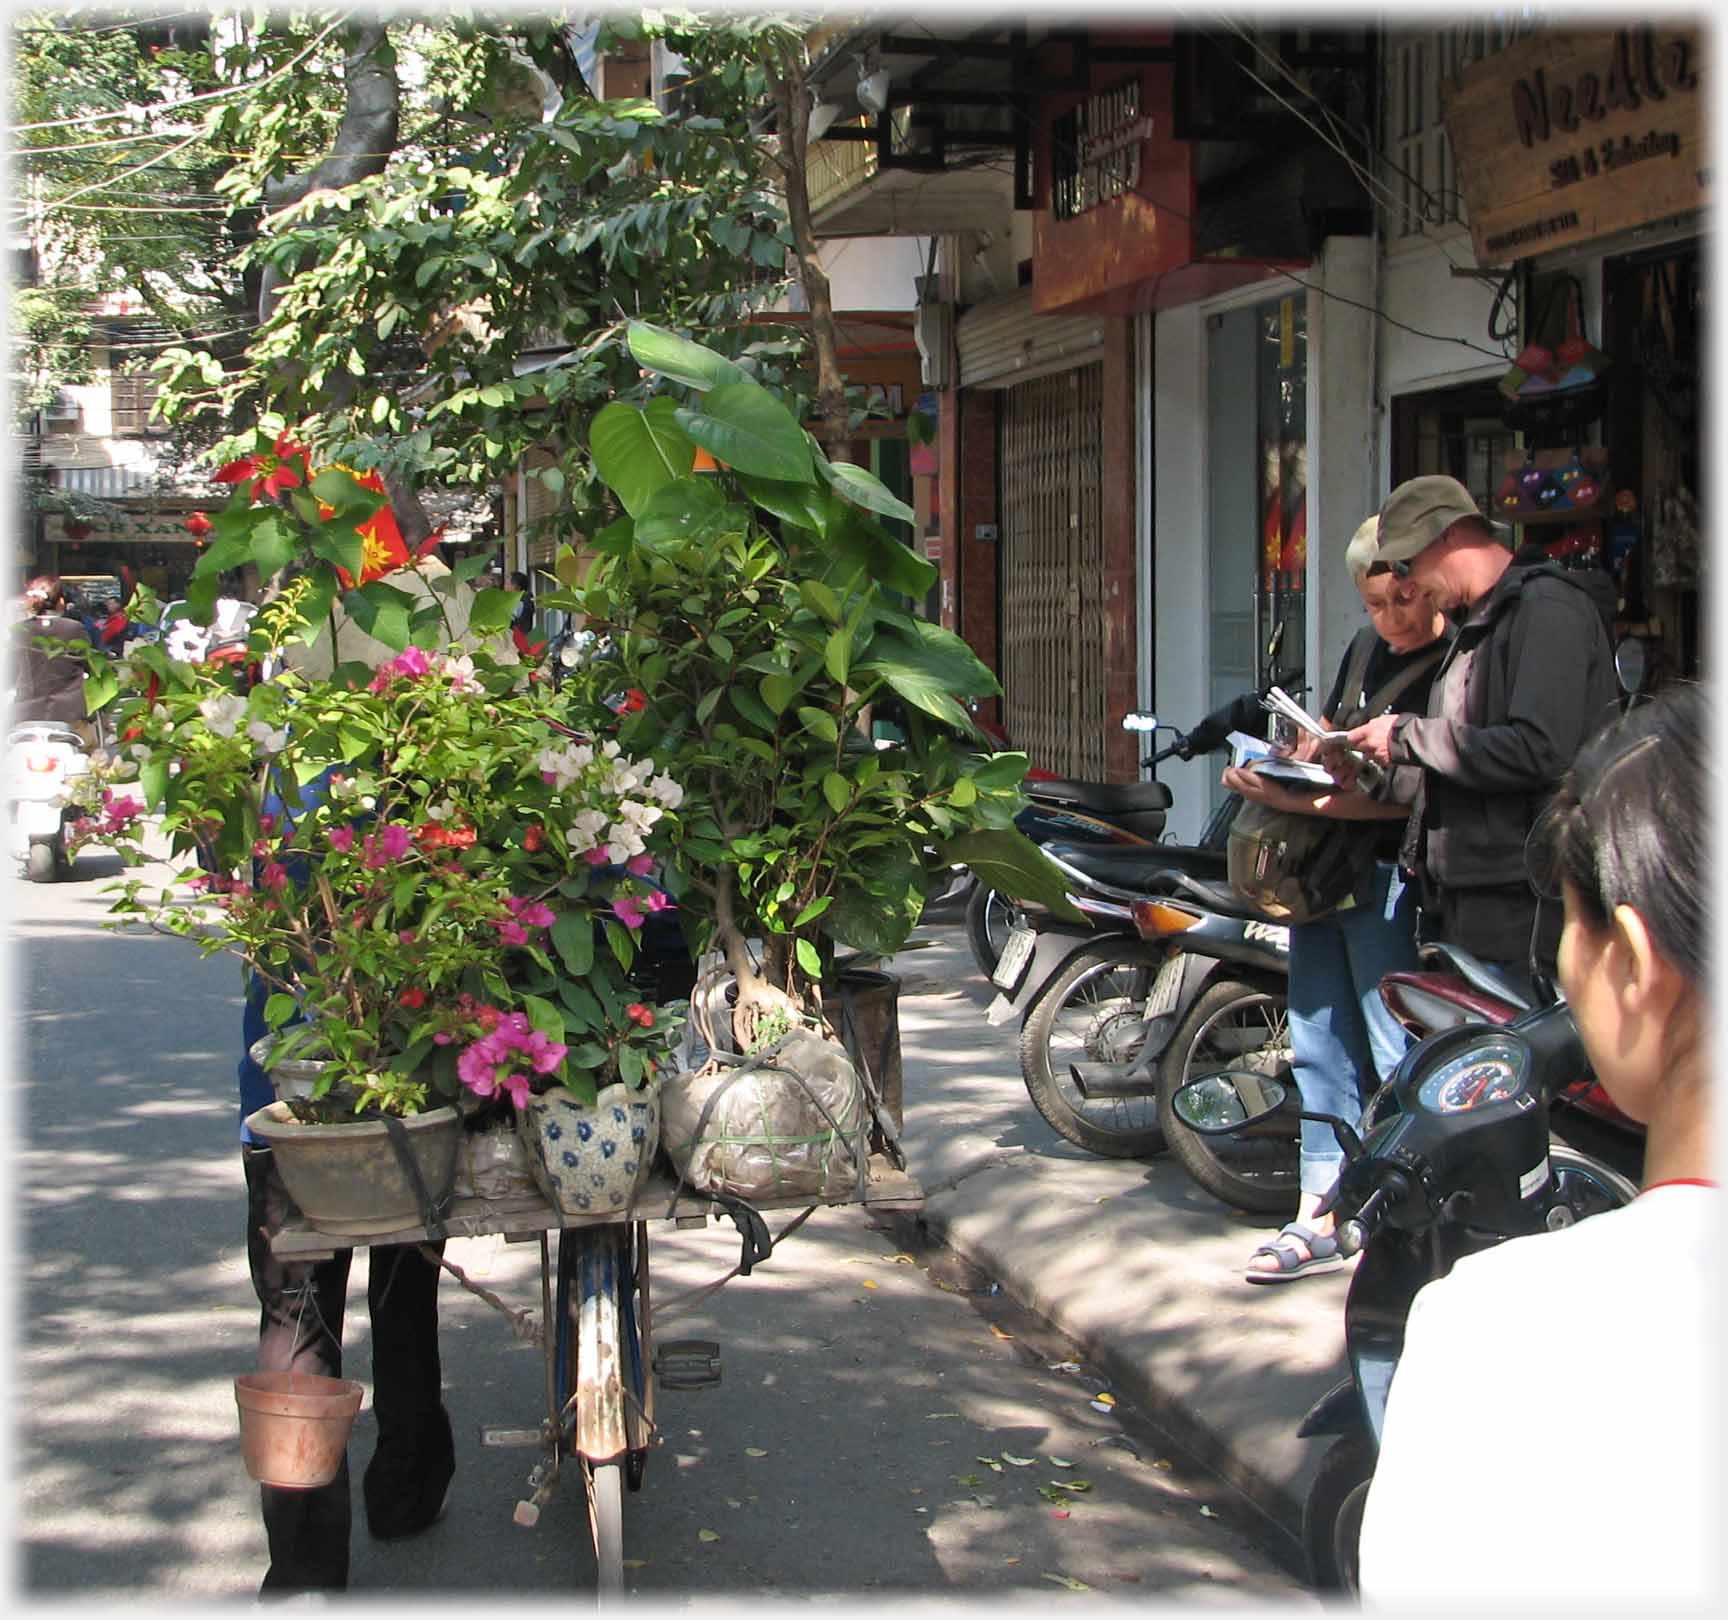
{"x": 384, "y": 548}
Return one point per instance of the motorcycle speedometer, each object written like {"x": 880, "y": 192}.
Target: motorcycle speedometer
{"x": 1491, "y": 1070}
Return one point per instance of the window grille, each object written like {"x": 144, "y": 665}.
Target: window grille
{"x": 1420, "y": 185}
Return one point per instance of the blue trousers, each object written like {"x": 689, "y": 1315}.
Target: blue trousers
{"x": 1343, "y": 1040}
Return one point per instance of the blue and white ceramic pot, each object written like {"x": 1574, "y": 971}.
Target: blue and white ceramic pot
{"x": 592, "y": 1160}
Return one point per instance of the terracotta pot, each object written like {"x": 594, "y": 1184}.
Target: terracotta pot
{"x": 294, "y": 1426}
{"x": 346, "y": 1179}
{"x": 591, "y": 1161}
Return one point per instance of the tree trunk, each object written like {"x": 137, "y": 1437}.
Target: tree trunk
{"x": 792, "y": 102}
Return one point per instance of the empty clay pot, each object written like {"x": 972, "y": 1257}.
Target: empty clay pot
{"x": 294, "y": 1426}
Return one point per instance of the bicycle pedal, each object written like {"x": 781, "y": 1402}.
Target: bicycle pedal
{"x": 509, "y": 1437}
{"x": 687, "y": 1364}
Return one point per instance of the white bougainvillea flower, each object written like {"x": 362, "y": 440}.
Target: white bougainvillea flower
{"x": 638, "y": 816}
{"x": 624, "y": 842}
{"x": 586, "y": 830}
{"x": 272, "y": 739}
{"x": 222, "y": 713}
{"x": 668, "y": 792}
{"x": 442, "y": 811}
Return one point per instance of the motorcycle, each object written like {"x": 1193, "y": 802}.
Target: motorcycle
{"x": 1452, "y": 1156}
{"x": 1101, "y": 1003}
{"x": 44, "y": 761}
{"x": 1125, "y": 815}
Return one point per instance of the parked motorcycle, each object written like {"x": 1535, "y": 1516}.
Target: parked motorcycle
{"x": 44, "y": 761}
{"x": 1125, "y": 815}
{"x": 1452, "y": 1156}
{"x": 1100, "y": 1004}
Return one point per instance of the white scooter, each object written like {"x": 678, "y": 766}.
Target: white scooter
{"x": 44, "y": 760}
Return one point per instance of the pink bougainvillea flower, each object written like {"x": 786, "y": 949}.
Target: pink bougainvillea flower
{"x": 395, "y": 840}
{"x": 274, "y": 876}
{"x": 342, "y": 839}
{"x": 639, "y": 865}
{"x": 407, "y": 936}
{"x": 657, "y": 900}
{"x": 267, "y": 824}
{"x": 512, "y": 933}
{"x": 443, "y": 1038}
{"x": 628, "y": 910}
{"x": 597, "y": 857}
{"x": 538, "y": 915}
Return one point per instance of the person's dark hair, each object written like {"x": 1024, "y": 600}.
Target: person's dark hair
{"x": 520, "y": 580}
{"x": 1628, "y": 824}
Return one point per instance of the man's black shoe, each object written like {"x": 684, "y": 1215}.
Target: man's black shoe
{"x": 406, "y": 1493}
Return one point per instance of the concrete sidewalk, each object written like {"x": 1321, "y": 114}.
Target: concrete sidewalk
{"x": 1128, "y": 1258}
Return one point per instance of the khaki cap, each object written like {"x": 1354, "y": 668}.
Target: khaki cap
{"x": 1419, "y": 511}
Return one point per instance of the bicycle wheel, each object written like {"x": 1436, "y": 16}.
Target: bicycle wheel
{"x": 606, "y": 1523}
{"x": 605, "y": 1384}
{"x": 1093, "y": 1011}
{"x": 1235, "y": 1025}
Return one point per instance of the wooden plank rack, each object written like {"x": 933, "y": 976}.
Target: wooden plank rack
{"x": 526, "y": 1217}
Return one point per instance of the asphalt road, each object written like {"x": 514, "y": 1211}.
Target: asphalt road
{"x": 862, "y": 1440}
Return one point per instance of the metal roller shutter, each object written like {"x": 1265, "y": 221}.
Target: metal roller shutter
{"x": 1004, "y": 342}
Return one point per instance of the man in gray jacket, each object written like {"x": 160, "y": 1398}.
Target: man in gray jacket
{"x": 1529, "y": 677}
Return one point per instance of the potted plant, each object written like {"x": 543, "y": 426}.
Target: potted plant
{"x": 764, "y": 611}
{"x": 435, "y": 886}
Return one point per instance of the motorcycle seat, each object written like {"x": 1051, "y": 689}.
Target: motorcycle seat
{"x": 1156, "y": 873}
{"x": 1503, "y": 983}
{"x": 1106, "y": 798}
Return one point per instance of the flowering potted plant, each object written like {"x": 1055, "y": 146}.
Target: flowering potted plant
{"x": 436, "y": 887}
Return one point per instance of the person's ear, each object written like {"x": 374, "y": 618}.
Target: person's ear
{"x": 1643, "y": 978}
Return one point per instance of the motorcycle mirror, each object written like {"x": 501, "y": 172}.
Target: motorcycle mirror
{"x": 1631, "y": 664}
{"x": 1275, "y": 643}
{"x": 1216, "y": 1104}
{"x": 1135, "y": 720}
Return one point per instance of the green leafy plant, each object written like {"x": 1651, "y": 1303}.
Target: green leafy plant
{"x": 763, "y": 610}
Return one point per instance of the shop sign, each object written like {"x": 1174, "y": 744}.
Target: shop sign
{"x": 1095, "y": 150}
{"x": 1563, "y": 138}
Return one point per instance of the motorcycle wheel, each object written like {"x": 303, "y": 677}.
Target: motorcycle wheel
{"x": 1585, "y": 1185}
{"x": 39, "y": 864}
{"x": 1235, "y": 1025}
{"x": 1332, "y": 1515}
{"x": 987, "y": 919}
{"x": 1093, "y": 1010}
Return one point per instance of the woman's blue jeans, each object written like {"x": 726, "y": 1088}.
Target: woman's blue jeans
{"x": 1343, "y": 1040}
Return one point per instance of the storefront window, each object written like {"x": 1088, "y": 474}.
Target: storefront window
{"x": 1282, "y": 402}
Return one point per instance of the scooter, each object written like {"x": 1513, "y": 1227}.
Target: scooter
{"x": 1451, "y": 1156}
{"x": 1101, "y": 1005}
{"x": 44, "y": 760}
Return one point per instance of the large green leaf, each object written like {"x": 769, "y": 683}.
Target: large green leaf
{"x": 493, "y": 610}
{"x": 640, "y": 448}
{"x": 929, "y": 667}
{"x": 1006, "y": 860}
{"x": 805, "y": 506}
{"x": 863, "y": 486}
{"x": 687, "y": 509}
{"x": 861, "y": 542}
{"x": 680, "y": 359}
{"x": 273, "y": 546}
{"x": 573, "y": 935}
{"x": 878, "y": 911}
{"x": 745, "y": 426}
{"x": 1001, "y": 771}
{"x": 382, "y": 612}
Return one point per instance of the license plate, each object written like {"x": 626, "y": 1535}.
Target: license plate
{"x": 1165, "y": 988}
{"x": 1015, "y": 954}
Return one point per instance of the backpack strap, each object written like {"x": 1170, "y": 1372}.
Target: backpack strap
{"x": 1390, "y": 692}
{"x": 1355, "y": 669}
